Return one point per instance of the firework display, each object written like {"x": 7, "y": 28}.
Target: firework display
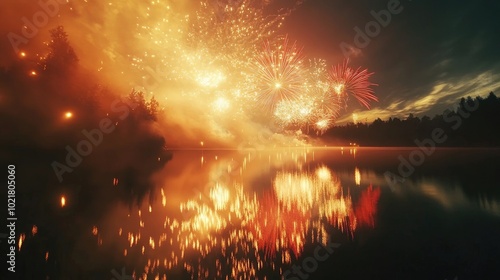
{"x": 345, "y": 79}
{"x": 231, "y": 63}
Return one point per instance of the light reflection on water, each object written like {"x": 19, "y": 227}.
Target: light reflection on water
{"x": 248, "y": 213}
{"x": 253, "y": 214}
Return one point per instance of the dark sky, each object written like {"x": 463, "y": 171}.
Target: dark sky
{"x": 429, "y": 55}
{"x": 425, "y": 59}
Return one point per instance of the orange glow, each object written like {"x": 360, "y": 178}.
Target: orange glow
{"x": 22, "y": 54}
{"x": 33, "y": 73}
{"x": 63, "y": 201}
{"x": 277, "y": 228}
{"x": 94, "y": 230}
{"x": 34, "y": 230}
{"x": 68, "y": 115}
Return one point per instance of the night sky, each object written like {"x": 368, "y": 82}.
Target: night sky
{"x": 429, "y": 55}
{"x": 425, "y": 59}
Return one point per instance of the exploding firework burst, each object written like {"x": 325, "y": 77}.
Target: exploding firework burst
{"x": 345, "y": 80}
{"x": 281, "y": 73}
{"x": 294, "y": 112}
{"x": 227, "y": 60}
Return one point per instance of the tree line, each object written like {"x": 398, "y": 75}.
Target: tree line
{"x": 473, "y": 123}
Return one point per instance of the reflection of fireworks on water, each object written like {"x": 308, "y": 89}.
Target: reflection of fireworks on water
{"x": 304, "y": 190}
{"x": 242, "y": 233}
{"x": 367, "y": 206}
{"x": 231, "y": 232}
{"x": 279, "y": 229}
{"x": 299, "y": 201}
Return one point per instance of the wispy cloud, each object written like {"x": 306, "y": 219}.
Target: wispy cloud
{"x": 443, "y": 94}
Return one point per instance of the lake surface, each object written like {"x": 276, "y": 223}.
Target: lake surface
{"x": 305, "y": 213}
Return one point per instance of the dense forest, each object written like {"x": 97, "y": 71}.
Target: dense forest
{"x": 77, "y": 147}
{"x": 473, "y": 123}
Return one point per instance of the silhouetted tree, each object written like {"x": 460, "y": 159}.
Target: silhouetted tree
{"x": 146, "y": 110}
{"x": 61, "y": 56}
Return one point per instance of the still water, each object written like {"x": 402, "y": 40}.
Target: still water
{"x": 312, "y": 213}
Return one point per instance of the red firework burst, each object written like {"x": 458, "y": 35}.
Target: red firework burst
{"x": 344, "y": 79}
